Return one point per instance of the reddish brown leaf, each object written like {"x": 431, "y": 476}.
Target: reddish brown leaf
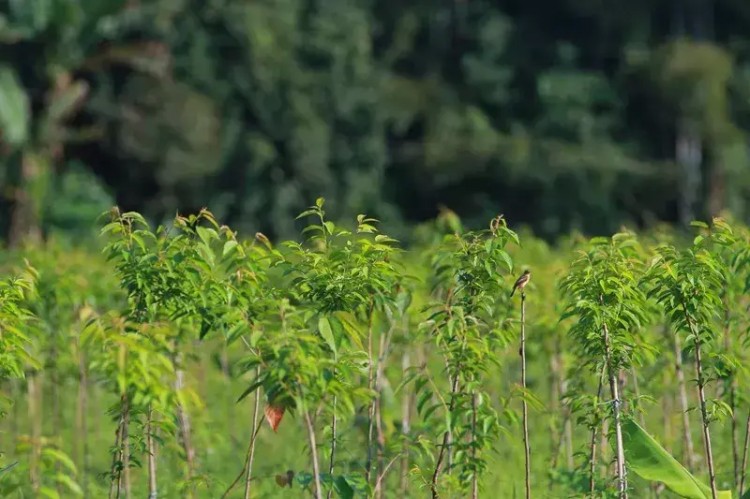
{"x": 274, "y": 414}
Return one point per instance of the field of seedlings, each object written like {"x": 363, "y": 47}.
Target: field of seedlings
{"x": 185, "y": 362}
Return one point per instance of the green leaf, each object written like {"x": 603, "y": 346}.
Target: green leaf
{"x": 250, "y": 389}
{"x": 14, "y": 108}
{"x": 49, "y": 492}
{"x": 324, "y": 327}
{"x": 343, "y": 489}
{"x": 60, "y": 457}
{"x": 72, "y": 486}
{"x": 228, "y": 246}
{"x": 646, "y": 458}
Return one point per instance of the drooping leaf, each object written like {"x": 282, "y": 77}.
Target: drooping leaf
{"x": 645, "y": 457}
{"x": 274, "y": 415}
{"x": 324, "y": 326}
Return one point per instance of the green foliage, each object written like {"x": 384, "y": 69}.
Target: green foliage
{"x": 650, "y": 461}
{"x": 603, "y": 292}
{"x": 379, "y": 370}
{"x": 14, "y": 320}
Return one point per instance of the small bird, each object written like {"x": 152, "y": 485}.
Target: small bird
{"x": 521, "y": 282}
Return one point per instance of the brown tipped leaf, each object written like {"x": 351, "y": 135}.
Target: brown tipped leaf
{"x": 274, "y": 414}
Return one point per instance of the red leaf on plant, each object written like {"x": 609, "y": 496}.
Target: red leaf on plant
{"x": 274, "y": 414}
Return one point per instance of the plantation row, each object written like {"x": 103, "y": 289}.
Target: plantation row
{"x": 188, "y": 363}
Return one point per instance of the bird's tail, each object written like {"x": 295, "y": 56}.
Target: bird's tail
{"x": 513, "y": 292}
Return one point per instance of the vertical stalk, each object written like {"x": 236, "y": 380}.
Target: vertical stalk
{"x": 444, "y": 446}
{"x": 704, "y": 418}
{"x": 314, "y": 452}
{"x": 34, "y": 409}
{"x": 251, "y": 454}
{"x": 55, "y": 395}
{"x": 449, "y": 445}
{"x": 702, "y": 401}
{"x": 637, "y": 391}
{"x": 526, "y": 444}
{"x": 666, "y": 408}
{"x": 606, "y": 464}
{"x": 475, "y": 477}
{"x": 334, "y": 422}
{"x": 247, "y": 466}
{"x": 622, "y": 484}
{"x": 732, "y": 382}
{"x": 380, "y": 435}
{"x": 594, "y": 430}
{"x": 370, "y": 385}
{"x": 735, "y": 445}
{"x": 379, "y": 374}
{"x": 116, "y": 468}
{"x": 126, "y": 449}
{"x": 82, "y": 450}
{"x": 183, "y": 418}
{"x": 555, "y": 409}
{"x": 745, "y": 448}
{"x": 405, "y": 428}
{"x": 151, "y": 450}
{"x": 568, "y": 426}
{"x": 684, "y": 406}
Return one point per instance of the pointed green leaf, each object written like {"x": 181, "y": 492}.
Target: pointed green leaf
{"x": 646, "y": 458}
{"x": 324, "y": 327}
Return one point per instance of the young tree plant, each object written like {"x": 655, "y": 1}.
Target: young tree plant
{"x": 467, "y": 326}
{"x": 604, "y": 296}
{"x": 689, "y": 283}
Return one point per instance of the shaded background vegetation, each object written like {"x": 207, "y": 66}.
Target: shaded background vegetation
{"x": 564, "y": 114}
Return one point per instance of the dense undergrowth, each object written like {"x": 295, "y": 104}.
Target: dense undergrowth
{"x": 182, "y": 361}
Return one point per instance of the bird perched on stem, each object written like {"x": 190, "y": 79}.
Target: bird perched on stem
{"x": 521, "y": 282}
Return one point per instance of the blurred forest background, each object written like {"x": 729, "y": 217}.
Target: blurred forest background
{"x": 561, "y": 114}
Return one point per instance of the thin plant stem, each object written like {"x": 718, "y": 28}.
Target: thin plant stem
{"x": 82, "y": 421}
{"x": 385, "y": 341}
{"x": 444, "y": 446}
{"x": 248, "y": 456}
{"x": 594, "y": 431}
{"x": 526, "y": 443}
{"x": 475, "y": 476}
{"x": 116, "y": 459}
{"x": 370, "y": 385}
{"x": 684, "y": 405}
{"x": 126, "y": 449}
{"x": 251, "y": 452}
{"x": 385, "y": 470}
{"x": 745, "y": 448}
{"x": 334, "y": 422}
{"x": 33, "y": 386}
{"x": 151, "y": 450}
{"x": 556, "y": 409}
{"x": 622, "y": 483}
{"x": 732, "y": 383}
{"x": 637, "y": 392}
{"x": 314, "y": 453}
{"x": 406, "y": 405}
{"x": 183, "y": 419}
{"x": 702, "y": 401}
